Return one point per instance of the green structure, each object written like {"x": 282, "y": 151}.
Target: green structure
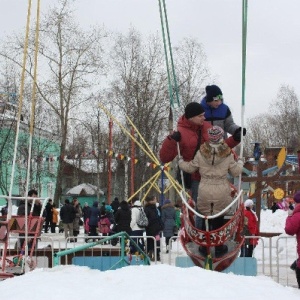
{"x": 43, "y": 163}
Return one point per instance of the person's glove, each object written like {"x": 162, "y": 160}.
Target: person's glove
{"x": 176, "y": 136}
{"x": 241, "y": 159}
{"x": 237, "y": 134}
{"x": 180, "y": 159}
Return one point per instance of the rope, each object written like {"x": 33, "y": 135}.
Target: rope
{"x": 168, "y": 53}
{"x": 172, "y": 81}
{"x": 25, "y": 51}
{"x": 244, "y": 52}
{"x": 33, "y": 98}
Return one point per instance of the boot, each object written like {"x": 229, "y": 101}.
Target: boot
{"x": 203, "y": 251}
{"x": 167, "y": 249}
{"x": 293, "y": 266}
{"x": 221, "y": 250}
{"x": 151, "y": 255}
{"x": 298, "y": 276}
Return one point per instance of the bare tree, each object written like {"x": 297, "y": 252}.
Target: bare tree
{"x": 139, "y": 90}
{"x": 284, "y": 115}
{"x": 191, "y": 70}
{"x": 280, "y": 126}
{"x": 71, "y": 60}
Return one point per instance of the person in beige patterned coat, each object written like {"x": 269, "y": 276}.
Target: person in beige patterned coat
{"x": 214, "y": 160}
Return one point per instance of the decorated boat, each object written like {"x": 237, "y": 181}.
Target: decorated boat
{"x": 200, "y": 245}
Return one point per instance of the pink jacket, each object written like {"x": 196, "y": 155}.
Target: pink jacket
{"x": 292, "y": 226}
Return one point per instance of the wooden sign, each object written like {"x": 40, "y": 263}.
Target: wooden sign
{"x": 278, "y": 194}
{"x": 281, "y": 157}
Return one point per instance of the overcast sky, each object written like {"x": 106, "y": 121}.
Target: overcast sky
{"x": 273, "y": 48}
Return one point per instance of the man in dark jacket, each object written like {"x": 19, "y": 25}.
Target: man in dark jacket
{"x": 85, "y": 213}
{"x": 36, "y": 208}
{"x": 154, "y": 227}
{"x": 192, "y": 131}
{"x": 48, "y": 220}
{"x": 123, "y": 218}
{"x": 67, "y": 215}
{"x": 115, "y": 205}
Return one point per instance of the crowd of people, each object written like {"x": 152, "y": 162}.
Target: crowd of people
{"x": 203, "y": 142}
{"x": 125, "y": 216}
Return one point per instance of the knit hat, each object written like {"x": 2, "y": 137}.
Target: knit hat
{"x": 297, "y": 197}
{"x": 212, "y": 91}
{"x": 167, "y": 201}
{"x": 108, "y": 208}
{"x": 249, "y": 203}
{"x": 215, "y": 134}
{"x": 193, "y": 109}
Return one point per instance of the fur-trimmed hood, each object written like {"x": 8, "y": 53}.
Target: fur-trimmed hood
{"x": 214, "y": 153}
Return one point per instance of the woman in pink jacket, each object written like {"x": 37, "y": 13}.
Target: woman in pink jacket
{"x": 292, "y": 226}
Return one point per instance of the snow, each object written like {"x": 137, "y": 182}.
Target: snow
{"x": 160, "y": 281}
{"x": 88, "y": 188}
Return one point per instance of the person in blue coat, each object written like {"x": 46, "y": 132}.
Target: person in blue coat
{"x": 94, "y": 216}
{"x": 168, "y": 216}
{"x": 218, "y": 113}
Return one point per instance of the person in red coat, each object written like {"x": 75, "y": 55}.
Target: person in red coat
{"x": 292, "y": 226}
{"x": 250, "y": 228}
{"x": 191, "y": 133}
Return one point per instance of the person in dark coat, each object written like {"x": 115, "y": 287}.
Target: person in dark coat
{"x": 85, "y": 213}
{"x": 67, "y": 215}
{"x": 274, "y": 207}
{"x": 154, "y": 227}
{"x": 168, "y": 216}
{"x": 115, "y": 205}
{"x": 77, "y": 219}
{"x": 36, "y": 208}
{"x": 94, "y": 217}
{"x": 123, "y": 218}
{"x": 4, "y": 209}
{"x": 35, "y": 212}
{"x": 48, "y": 220}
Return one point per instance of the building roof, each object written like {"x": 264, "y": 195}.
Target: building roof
{"x": 84, "y": 189}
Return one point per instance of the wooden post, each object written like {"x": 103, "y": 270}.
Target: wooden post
{"x": 268, "y": 180}
{"x": 132, "y": 163}
{"x": 109, "y": 163}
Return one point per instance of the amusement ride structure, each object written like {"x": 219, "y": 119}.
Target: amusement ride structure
{"x": 191, "y": 237}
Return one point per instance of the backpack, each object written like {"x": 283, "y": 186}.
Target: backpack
{"x": 142, "y": 220}
{"x": 104, "y": 225}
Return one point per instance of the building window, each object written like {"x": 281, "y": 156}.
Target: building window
{"x": 51, "y": 165}
{"x": 50, "y": 190}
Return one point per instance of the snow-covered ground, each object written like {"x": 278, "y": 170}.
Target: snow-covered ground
{"x": 159, "y": 281}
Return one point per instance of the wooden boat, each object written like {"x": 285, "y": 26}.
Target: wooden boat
{"x": 230, "y": 234}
